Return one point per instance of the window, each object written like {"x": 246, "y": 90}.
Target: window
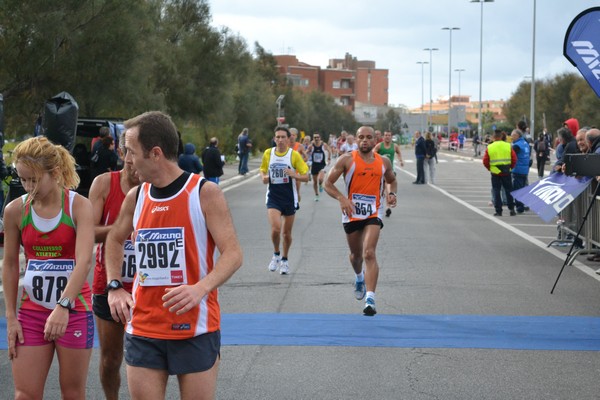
{"x": 335, "y": 84}
{"x": 297, "y": 80}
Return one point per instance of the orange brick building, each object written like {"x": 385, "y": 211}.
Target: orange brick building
{"x": 348, "y": 80}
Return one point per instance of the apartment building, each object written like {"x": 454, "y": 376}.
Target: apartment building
{"x": 347, "y": 79}
{"x": 440, "y": 107}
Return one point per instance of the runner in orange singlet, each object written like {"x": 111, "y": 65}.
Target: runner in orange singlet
{"x": 365, "y": 175}
{"x": 173, "y": 314}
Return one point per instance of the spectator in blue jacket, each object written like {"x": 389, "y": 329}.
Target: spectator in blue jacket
{"x": 189, "y": 161}
{"x": 521, "y": 169}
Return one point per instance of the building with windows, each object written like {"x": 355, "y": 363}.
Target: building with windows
{"x": 439, "y": 110}
{"x": 347, "y": 80}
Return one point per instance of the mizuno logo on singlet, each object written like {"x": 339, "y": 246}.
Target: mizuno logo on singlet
{"x": 160, "y": 209}
{"x": 57, "y": 265}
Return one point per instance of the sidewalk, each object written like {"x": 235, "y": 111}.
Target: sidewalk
{"x": 230, "y": 172}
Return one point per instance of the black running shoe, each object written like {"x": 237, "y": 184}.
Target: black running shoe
{"x": 369, "y": 309}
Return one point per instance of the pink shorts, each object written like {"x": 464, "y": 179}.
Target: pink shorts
{"x": 79, "y": 334}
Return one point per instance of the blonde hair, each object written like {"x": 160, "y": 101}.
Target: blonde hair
{"x": 41, "y": 155}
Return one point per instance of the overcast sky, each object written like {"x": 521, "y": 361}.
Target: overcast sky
{"x": 393, "y": 33}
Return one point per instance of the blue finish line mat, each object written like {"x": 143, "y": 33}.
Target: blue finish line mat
{"x": 406, "y": 331}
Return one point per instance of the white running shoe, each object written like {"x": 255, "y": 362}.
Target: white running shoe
{"x": 284, "y": 268}
{"x": 275, "y": 263}
{"x": 360, "y": 290}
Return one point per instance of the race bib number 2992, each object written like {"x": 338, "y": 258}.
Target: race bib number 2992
{"x": 160, "y": 256}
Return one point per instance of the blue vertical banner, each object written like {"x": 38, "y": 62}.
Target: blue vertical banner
{"x": 582, "y": 46}
{"x": 549, "y": 196}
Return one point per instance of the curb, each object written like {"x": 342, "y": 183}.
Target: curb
{"x": 238, "y": 178}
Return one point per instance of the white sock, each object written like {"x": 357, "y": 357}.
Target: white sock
{"x": 360, "y": 277}
{"x": 371, "y": 295}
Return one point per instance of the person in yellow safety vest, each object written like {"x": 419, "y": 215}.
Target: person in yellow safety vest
{"x": 499, "y": 159}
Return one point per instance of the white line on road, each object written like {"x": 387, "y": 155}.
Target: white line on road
{"x": 560, "y": 255}
{"x": 241, "y": 182}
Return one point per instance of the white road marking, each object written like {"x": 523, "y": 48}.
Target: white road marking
{"x": 558, "y": 254}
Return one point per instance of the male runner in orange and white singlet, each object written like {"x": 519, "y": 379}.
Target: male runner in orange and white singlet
{"x": 173, "y": 313}
{"x": 107, "y": 194}
{"x": 365, "y": 175}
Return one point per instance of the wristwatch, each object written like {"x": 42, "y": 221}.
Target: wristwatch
{"x": 65, "y": 302}
{"x": 392, "y": 194}
{"x": 113, "y": 285}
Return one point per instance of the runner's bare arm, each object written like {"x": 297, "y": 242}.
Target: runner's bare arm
{"x": 10, "y": 274}
{"x": 98, "y": 194}
{"x": 390, "y": 180}
{"x": 339, "y": 168}
{"x": 328, "y": 152}
{"x": 119, "y": 300}
{"x": 399, "y": 154}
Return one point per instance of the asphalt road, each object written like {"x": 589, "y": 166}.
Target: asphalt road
{"x": 444, "y": 259}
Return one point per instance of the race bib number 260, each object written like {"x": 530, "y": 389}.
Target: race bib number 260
{"x": 160, "y": 256}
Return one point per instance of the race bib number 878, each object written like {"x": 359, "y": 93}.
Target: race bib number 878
{"x": 160, "y": 256}
{"x": 45, "y": 280}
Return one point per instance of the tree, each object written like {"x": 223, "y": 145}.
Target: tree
{"x": 390, "y": 121}
{"x": 487, "y": 120}
{"x": 585, "y": 104}
{"x": 88, "y": 48}
{"x": 558, "y": 99}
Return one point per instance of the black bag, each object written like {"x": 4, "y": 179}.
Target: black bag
{"x": 541, "y": 147}
{"x": 60, "y": 120}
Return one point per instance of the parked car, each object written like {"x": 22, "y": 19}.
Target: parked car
{"x": 87, "y": 129}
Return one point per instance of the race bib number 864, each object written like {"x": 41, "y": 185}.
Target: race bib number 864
{"x": 364, "y": 205}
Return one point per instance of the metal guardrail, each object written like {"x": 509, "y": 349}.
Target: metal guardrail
{"x": 571, "y": 220}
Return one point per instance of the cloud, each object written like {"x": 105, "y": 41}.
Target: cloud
{"x": 394, "y": 33}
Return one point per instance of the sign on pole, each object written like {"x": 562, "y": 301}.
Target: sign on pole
{"x": 581, "y": 46}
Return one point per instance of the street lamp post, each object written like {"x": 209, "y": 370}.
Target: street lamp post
{"x": 479, "y": 129}
{"x": 430, "y": 50}
{"x": 532, "y": 111}
{"x": 279, "y": 101}
{"x": 450, "y": 29}
{"x": 459, "y": 71}
{"x": 422, "y": 92}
